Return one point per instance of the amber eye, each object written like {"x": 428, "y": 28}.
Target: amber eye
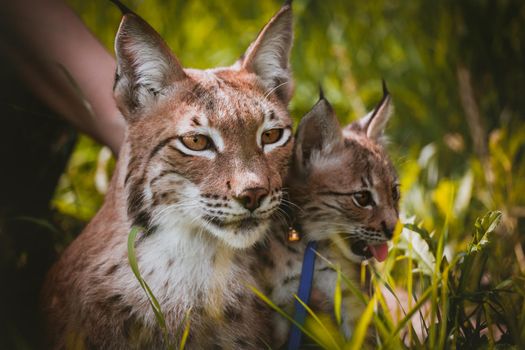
{"x": 196, "y": 142}
{"x": 395, "y": 193}
{"x": 363, "y": 199}
{"x": 271, "y": 136}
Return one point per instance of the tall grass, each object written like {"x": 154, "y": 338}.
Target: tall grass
{"x": 449, "y": 305}
{"x": 452, "y": 306}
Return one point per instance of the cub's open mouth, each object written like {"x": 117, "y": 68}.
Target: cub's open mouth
{"x": 362, "y": 248}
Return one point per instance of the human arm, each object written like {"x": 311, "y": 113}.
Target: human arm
{"x": 63, "y": 64}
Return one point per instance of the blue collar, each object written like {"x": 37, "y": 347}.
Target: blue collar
{"x": 305, "y": 289}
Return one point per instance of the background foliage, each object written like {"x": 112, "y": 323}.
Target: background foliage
{"x": 456, "y": 72}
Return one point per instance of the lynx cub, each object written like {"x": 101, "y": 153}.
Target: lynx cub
{"x": 201, "y": 170}
{"x": 345, "y": 195}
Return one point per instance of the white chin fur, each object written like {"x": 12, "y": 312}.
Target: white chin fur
{"x": 237, "y": 237}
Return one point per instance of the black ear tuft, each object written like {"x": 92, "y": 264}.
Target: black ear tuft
{"x": 321, "y": 93}
{"x": 384, "y": 101}
{"x": 123, "y": 8}
{"x": 385, "y": 89}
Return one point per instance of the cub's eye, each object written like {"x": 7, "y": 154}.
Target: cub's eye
{"x": 196, "y": 142}
{"x": 271, "y": 136}
{"x": 395, "y": 193}
{"x": 363, "y": 199}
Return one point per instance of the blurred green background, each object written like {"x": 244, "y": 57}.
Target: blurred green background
{"x": 455, "y": 70}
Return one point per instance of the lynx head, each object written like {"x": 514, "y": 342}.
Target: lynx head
{"x": 205, "y": 149}
{"x": 345, "y": 182}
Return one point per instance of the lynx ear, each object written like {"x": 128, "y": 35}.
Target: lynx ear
{"x": 269, "y": 54}
{"x": 319, "y": 130}
{"x": 145, "y": 65}
{"x": 374, "y": 123}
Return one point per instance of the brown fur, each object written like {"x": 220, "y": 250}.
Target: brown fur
{"x": 330, "y": 165}
{"x": 195, "y": 249}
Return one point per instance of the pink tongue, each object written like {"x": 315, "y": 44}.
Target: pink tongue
{"x": 380, "y": 251}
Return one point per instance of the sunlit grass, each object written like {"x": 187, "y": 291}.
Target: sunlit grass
{"x": 155, "y": 305}
{"x": 447, "y": 321}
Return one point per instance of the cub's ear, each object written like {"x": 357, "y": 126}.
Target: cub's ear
{"x": 268, "y": 56}
{"x": 145, "y": 66}
{"x": 318, "y": 132}
{"x": 374, "y": 123}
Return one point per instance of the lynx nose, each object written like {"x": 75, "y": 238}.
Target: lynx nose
{"x": 251, "y": 198}
{"x": 389, "y": 226}
{"x": 388, "y": 231}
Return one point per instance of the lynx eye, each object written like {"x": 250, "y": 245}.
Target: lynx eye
{"x": 196, "y": 142}
{"x": 271, "y": 136}
{"x": 395, "y": 193}
{"x": 363, "y": 199}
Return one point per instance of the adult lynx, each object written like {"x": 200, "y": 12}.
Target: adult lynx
{"x": 201, "y": 171}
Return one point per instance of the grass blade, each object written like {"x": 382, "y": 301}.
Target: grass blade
{"x": 284, "y": 314}
{"x": 155, "y": 306}
{"x": 186, "y": 331}
{"x": 361, "y": 330}
{"x": 338, "y": 297}
{"x": 321, "y": 324}
{"x": 403, "y": 322}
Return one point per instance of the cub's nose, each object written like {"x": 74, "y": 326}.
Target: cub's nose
{"x": 388, "y": 227}
{"x": 251, "y": 198}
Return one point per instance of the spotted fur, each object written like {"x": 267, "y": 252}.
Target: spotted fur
{"x": 194, "y": 251}
{"x": 330, "y": 165}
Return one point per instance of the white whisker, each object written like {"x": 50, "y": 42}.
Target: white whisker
{"x": 292, "y": 204}
{"x": 273, "y": 89}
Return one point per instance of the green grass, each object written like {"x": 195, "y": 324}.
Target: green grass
{"x": 461, "y": 309}
{"x": 154, "y": 303}
{"x": 461, "y": 312}
{"x": 155, "y": 306}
